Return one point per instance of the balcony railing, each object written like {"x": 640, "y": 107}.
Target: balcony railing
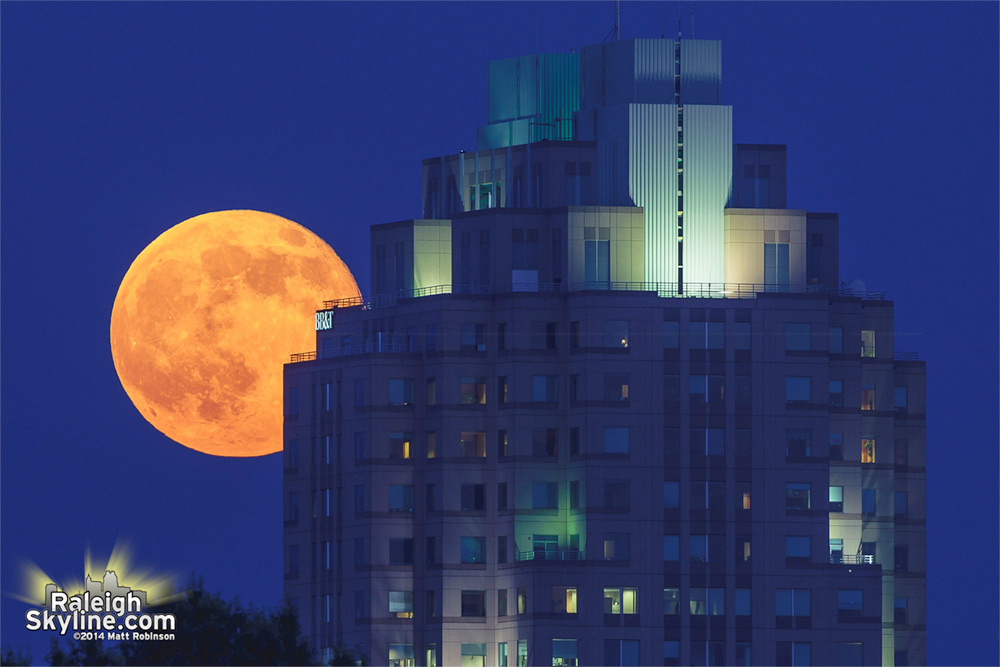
{"x": 549, "y": 554}
{"x": 670, "y": 290}
{"x": 904, "y": 356}
{"x": 859, "y": 559}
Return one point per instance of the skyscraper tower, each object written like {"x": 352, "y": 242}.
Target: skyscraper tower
{"x": 607, "y": 403}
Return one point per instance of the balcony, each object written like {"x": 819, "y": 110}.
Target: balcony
{"x": 549, "y": 554}
{"x": 859, "y": 559}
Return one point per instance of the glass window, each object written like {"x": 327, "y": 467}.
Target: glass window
{"x": 708, "y": 601}
{"x": 836, "y": 447}
{"x": 502, "y": 549}
{"x": 671, "y": 494}
{"x": 698, "y": 548}
{"x": 360, "y": 498}
{"x": 797, "y": 389}
{"x": 798, "y": 444}
{"x": 401, "y": 392}
{"x": 473, "y": 444}
{"x": 545, "y": 495}
{"x": 850, "y": 654}
{"x": 621, "y": 600}
{"x": 743, "y": 654}
{"x": 671, "y": 547}
{"x": 836, "y": 393}
{"x": 868, "y": 397}
{"x": 671, "y": 335}
{"x": 797, "y": 336}
{"x": 502, "y": 602}
{"x": 522, "y": 653}
{"x": 431, "y": 392}
{"x": 564, "y": 599}
{"x": 671, "y": 601}
{"x": 615, "y": 387}
{"x": 616, "y": 546}
{"x": 798, "y": 496}
{"x": 867, "y": 342}
{"x": 850, "y": 602}
{"x": 794, "y": 654}
{"x": 836, "y": 499}
{"x": 868, "y": 450}
{"x": 741, "y": 335}
{"x": 473, "y": 390}
{"x": 401, "y": 551}
{"x": 616, "y": 333}
{"x": 473, "y": 497}
{"x": 400, "y": 497}
{"x": 798, "y": 546}
{"x": 868, "y": 501}
{"x": 544, "y": 442}
{"x": 401, "y": 604}
{"x": 431, "y": 444}
{"x": 399, "y": 445}
{"x": 473, "y": 604}
{"x": 899, "y": 399}
{"x": 742, "y": 602}
{"x": 836, "y": 340}
{"x": 564, "y": 652}
{"x": 616, "y": 495}
{"x": 793, "y": 602}
{"x": 543, "y": 388}
{"x": 900, "y": 509}
{"x": 473, "y": 550}
{"x": 899, "y": 606}
{"x": 616, "y": 440}
{"x": 473, "y": 337}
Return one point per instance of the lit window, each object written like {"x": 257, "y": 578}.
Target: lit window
{"x": 473, "y": 444}
{"x": 400, "y": 392}
{"x": 708, "y": 602}
{"x": 868, "y": 397}
{"x": 399, "y": 445}
{"x": 473, "y": 391}
{"x": 431, "y": 444}
{"x": 564, "y": 652}
{"x": 616, "y": 333}
{"x": 621, "y": 600}
{"x": 868, "y": 450}
{"x": 616, "y": 546}
{"x": 836, "y": 499}
{"x": 401, "y": 604}
{"x": 473, "y": 550}
{"x": 564, "y": 600}
{"x": 798, "y": 496}
{"x": 793, "y": 602}
{"x": 671, "y": 601}
{"x": 867, "y": 342}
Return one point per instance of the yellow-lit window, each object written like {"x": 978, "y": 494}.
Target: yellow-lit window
{"x": 746, "y": 500}
{"x": 621, "y": 600}
{"x": 564, "y": 600}
{"x": 868, "y": 450}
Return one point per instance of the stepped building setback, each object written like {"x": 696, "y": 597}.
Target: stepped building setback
{"x": 608, "y": 403}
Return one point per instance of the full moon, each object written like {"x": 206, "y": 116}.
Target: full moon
{"x": 207, "y": 315}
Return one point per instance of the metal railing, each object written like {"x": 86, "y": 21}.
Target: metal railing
{"x": 670, "y": 290}
{"x": 549, "y": 554}
{"x": 904, "y": 356}
{"x": 846, "y": 559}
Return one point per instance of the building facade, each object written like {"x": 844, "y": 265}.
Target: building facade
{"x": 593, "y": 415}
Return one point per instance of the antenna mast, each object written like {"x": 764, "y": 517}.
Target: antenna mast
{"x": 691, "y": 27}
{"x": 618, "y": 20}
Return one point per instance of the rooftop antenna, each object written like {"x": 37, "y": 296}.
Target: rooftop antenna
{"x": 691, "y": 27}
{"x": 618, "y": 20}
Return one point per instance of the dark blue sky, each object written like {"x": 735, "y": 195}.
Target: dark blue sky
{"x": 120, "y": 120}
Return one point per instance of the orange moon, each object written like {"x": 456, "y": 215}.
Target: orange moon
{"x": 206, "y": 317}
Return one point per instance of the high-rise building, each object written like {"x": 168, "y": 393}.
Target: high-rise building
{"x": 608, "y": 403}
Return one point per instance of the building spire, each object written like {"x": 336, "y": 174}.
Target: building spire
{"x": 618, "y": 20}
